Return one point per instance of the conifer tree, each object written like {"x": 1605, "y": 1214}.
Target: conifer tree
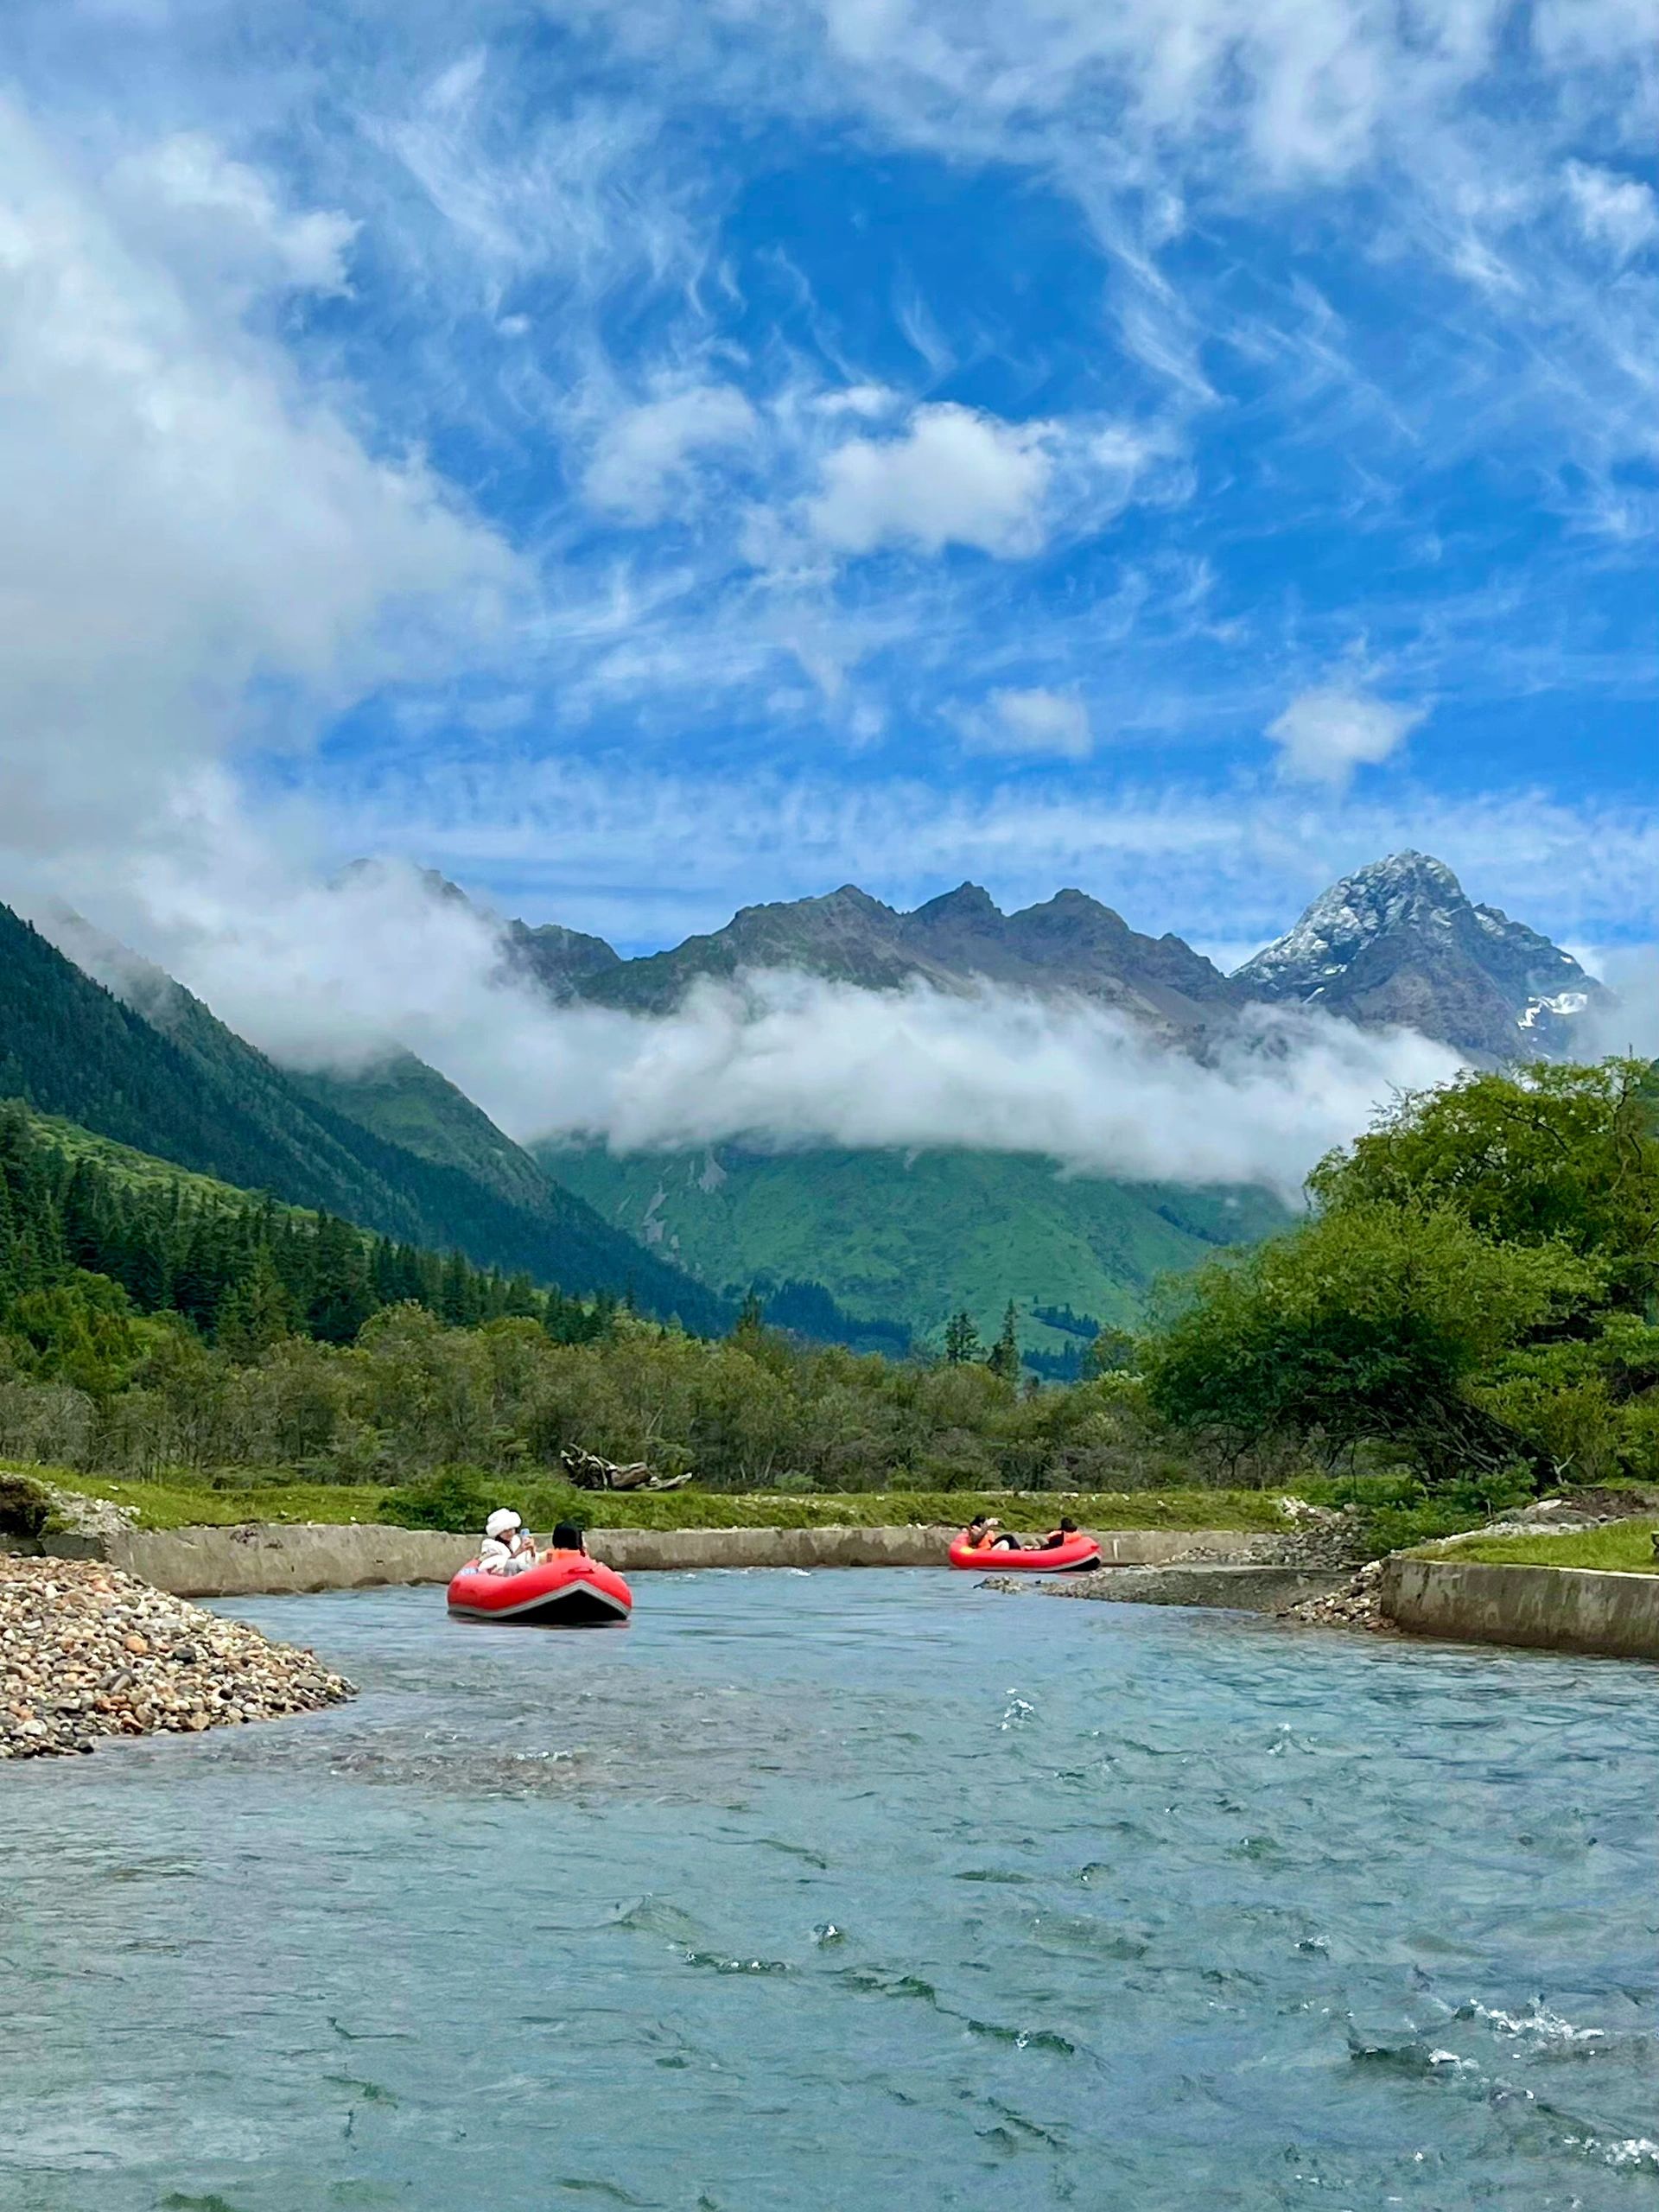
{"x": 1003, "y": 1358}
{"x": 961, "y": 1338}
{"x": 256, "y": 1314}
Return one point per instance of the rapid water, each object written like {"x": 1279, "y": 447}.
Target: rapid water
{"x": 846, "y": 1891}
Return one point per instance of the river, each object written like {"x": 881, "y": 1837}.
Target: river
{"x": 845, "y": 1890}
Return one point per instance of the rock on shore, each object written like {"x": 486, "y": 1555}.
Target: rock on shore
{"x": 87, "y": 1651}
{"x": 1358, "y": 1603}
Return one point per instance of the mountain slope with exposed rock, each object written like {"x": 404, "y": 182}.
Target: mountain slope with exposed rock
{"x": 1399, "y": 945}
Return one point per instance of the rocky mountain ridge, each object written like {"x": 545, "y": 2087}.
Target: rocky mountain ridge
{"x": 1398, "y": 944}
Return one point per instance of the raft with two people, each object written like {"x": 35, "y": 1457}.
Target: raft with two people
{"x": 1063, "y": 1550}
{"x": 513, "y": 1582}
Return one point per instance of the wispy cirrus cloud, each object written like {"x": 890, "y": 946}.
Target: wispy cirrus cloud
{"x": 649, "y": 860}
{"x": 900, "y": 410}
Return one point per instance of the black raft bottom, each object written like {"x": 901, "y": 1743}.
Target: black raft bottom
{"x": 569, "y": 1608}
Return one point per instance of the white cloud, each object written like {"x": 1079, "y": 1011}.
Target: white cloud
{"x": 1328, "y": 732}
{"x": 1620, "y": 212}
{"x": 1038, "y": 723}
{"x": 869, "y": 400}
{"x": 645, "y": 457}
{"x": 1286, "y": 91}
{"x": 193, "y": 551}
{"x": 791, "y": 1060}
{"x": 334, "y": 975}
{"x": 954, "y": 477}
{"x": 210, "y": 215}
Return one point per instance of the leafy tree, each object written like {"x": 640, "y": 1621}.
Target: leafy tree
{"x": 1113, "y": 1351}
{"x": 1371, "y": 1325}
{"x": 1557, "y": 1154}
{"x": 78, "y": 1331}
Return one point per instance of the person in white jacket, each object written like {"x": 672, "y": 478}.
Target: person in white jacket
{"x": 508, "y": 1546}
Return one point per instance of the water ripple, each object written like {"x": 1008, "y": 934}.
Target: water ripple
{"x": 789, "y": 1890}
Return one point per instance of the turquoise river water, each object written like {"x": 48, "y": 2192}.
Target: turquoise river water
{"x": 844, "y": 1890}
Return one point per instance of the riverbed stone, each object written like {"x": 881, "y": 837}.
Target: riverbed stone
{"x": 87, "y": 1651}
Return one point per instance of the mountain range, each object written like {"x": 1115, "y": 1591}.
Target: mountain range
{"x": 893, "y": 1234}
{"x": 865, "y": 1246}
{"x": 1398, "y": 944}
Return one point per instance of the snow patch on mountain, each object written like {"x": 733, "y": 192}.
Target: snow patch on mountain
{"x": 1399, "y": 943}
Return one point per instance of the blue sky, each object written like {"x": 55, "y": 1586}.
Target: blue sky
{"x": 645, "y": 459}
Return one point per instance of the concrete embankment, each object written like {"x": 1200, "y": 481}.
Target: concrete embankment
{"x": 1548, "y": 1608}
{"x": 272, "y": 1558}
{"x": 1245, "y": 1588}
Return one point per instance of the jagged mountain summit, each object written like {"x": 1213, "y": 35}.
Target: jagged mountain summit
{"x": 1069, "y": 942}
{"x": 1400, "y": 943}
{"x": 1397, "y": 944}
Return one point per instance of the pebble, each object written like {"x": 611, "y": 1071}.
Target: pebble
{"x": 1358, "y": 1603}
{"x": 86, "y": 1651}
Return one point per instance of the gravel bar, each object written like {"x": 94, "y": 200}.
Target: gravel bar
{"x": 87, "y": 1651}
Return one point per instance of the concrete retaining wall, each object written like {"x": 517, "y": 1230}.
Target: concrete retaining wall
{"x": 277, "y": 1558}
{"x": 1550, "y": 1608}
{"x": 1245, "y": 1589}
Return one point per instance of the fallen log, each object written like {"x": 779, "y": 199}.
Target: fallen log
{"x": 588, "y": 1471}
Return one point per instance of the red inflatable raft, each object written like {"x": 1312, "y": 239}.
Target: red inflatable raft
{"x": 1076, "y": 1555}
{"x": 563, "y": 1590}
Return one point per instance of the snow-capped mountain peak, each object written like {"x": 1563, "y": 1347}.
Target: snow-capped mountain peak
{"x": 1399, "y": 942}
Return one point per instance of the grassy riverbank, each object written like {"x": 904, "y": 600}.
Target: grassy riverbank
{"x": 1621, "y": 1547}
{"x": 178, "y": 1502}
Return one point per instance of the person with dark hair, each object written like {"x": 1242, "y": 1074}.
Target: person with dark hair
{"x": 566, "y": 1537}
{"x": 1056, "y": 1537}
{"x": 985, "y": 1532}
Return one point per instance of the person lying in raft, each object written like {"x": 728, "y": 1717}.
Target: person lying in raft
{"x": 985, "y": 1532}
{"x": 508, "y": 1546}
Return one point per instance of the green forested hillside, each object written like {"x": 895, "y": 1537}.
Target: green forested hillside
{"x": 916, "y": 1235}
{"x": 410, "y": 1104}
{"x": 155, "y": 1324}
{"x": 195, "y": 1093}
{"x": 92, "y": 1232}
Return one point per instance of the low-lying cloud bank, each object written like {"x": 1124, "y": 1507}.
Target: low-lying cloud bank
{"x": 339, "y": 976}
{"x": 792, "y": 1061}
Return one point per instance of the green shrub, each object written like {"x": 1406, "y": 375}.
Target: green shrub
{"x": 458, "y": 1500}
{"x": 25, "y": 1509}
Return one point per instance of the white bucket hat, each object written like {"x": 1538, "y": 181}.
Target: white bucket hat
{"x": 502, "y": 1521}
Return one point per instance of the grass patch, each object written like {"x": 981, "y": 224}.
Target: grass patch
{"x": 1621, "y": 1547}
{"x": 543, "y": 1503}
{"x": 184, "y": 1504}
{"x": 463, "y": 1497}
